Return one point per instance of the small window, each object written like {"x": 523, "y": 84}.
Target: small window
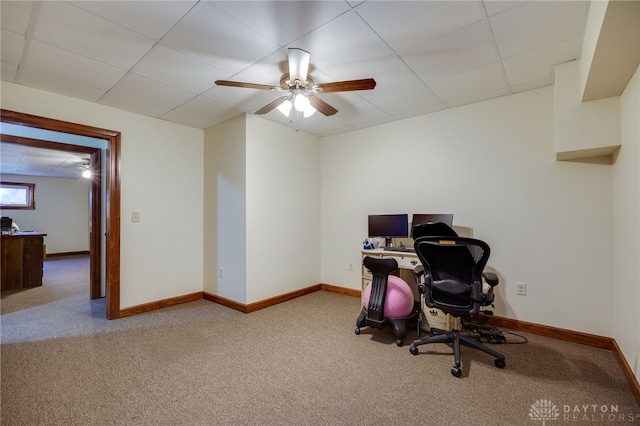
{"x": 17, "y": 195}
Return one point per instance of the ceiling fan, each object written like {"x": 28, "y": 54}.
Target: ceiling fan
{"x": 301, "y": 88}
{"x": 81, "y": 165}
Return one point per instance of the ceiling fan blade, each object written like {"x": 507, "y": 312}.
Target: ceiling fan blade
{"x": 322, "y": 106}
{"x": 345, "y": 86}
{"x": 271, "y": 105}
{"x": 298, "y": 65}
{"x": 247, "y": 85}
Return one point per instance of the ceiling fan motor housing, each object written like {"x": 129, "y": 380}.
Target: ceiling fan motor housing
{"x": 287, "y": 84}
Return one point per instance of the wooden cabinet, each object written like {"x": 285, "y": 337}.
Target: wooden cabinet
{"x": 22, "y": 260}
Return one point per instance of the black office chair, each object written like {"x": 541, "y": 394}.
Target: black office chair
{"x": 453, "y": 282}
{"x": 373, "y": 314}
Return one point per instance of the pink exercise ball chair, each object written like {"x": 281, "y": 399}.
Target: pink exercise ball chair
{"x": 398, "y": 302}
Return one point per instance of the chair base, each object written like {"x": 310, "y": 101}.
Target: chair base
{"x": 398, "y": 325}
{"x": 456, "y": 338}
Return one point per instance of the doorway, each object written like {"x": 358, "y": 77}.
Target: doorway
{"x": 111, "y": 197}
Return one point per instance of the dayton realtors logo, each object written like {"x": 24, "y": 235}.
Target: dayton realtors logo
{"x": 545, "y": 410}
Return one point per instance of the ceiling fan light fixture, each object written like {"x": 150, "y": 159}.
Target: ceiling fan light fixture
{"x": 285, "y": 107}
{"x": 301, "y": 102}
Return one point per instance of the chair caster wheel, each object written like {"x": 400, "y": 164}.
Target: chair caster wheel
{"x": 399, "y": 342}
{"x": 357, "y": 331}
{"x": 456, "y": 371}
{"x": 413, "y": 350}
{"x": 500, "y": 363}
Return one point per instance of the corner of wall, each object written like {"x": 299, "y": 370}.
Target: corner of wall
{"x": 583, "y": 129}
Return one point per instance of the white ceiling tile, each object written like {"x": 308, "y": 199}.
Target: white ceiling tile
{"x": 72, "y": 67}
{"x": 344, "y": 42}
{"x": 405, "y": 25}
{"x": 15, "y": 15}
{"x": 537, "y": 24}
{"x": 391, "y": 75}
{"x": 496, "y": 6}
{"x": 146, "y": 89}
{"x": 71, "y": 28}
{"x": 171, "y": 66}
{"x": 137, "y": 106}
{"x": 151, "y": 18}
{"x": 453, "y": 53}
{"x": 207, "y": 108}
{"x": 180, "y": 117}
{"x": 214, "y": 37}
{"x": 8, "y": 71}
{"x": 283, "y": 21}
{"x": 531, "y": 85}
{"x": 246, "y": 100}
{"x": 538, "y": 65}
{"x": 61, "y": 86}
{"x": 11, "y": 47}
{"x": 486, "y": 79}
{"x": 361, "y": 113}
{"x": 418, "y": 98}
{"x": 479, "y": 97}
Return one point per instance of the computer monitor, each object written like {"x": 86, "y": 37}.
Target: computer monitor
{"x": 422, "y": 218}
{"x": 389, "y": 226}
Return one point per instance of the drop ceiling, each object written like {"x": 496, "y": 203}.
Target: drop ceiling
{"x": 161, "y": 58}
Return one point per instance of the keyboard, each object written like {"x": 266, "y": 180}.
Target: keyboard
{"x": 400, "y": 249}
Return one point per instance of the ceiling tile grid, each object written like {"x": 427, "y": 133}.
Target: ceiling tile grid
{"x": 162, "y": 58}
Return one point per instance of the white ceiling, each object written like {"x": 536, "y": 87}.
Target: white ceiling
{"x": 161, "y": 58}
{"x": 25, "y": 160}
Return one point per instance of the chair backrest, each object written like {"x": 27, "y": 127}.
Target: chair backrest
{"x": 380, "y": 269}
{"x": 453, "y": 270}
{"x": 432, "y": 229}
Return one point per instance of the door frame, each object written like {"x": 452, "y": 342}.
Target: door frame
{"x": 111, "y": 196}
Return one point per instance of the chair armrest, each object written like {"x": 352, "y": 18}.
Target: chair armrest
{"x": 418, "y": 271}
{"x": 490, "y": 278}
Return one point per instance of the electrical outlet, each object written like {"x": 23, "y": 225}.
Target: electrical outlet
{"x": 221, "y": 272}
{"x": 135, "y": 217}
{"x": 351, "y": 266}
{"x": 522, "y": 289}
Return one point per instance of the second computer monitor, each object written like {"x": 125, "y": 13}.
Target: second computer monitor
{"x": 422, "y": 218}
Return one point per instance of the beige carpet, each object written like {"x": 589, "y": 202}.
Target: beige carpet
{"x": 298, "y": 363}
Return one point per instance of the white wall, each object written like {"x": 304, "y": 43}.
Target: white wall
{"x": 62, "y": 212}
{"x": 493, "y": 165}
{"x": 262, "y": 210}
{"x": 225, "y": 241}
{"x": 161, "y": 177}
{"x": 283, "y": 209}
{"x": 626, "y": 230}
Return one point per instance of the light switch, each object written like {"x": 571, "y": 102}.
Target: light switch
{"x": 135, "y": 217}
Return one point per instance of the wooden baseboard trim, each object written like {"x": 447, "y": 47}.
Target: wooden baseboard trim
{"x": 628, "y": 372}
{"x": 256, "y": 306}
{"x": 232, "y": 304}
{"x": 165, "y": 303}
{"x": 340, "y": 290}
{"x": 574, "y": 337}
{"x": 554, "y": 332}
{"x": 69, "y": 253}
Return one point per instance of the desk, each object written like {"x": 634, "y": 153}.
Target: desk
{"x": 22, "y": 260}
{"x": 407, "y": 261}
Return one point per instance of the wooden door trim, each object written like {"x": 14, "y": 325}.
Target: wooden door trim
{"x": 112, "y": 195}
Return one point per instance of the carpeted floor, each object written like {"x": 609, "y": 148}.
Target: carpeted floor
{"x": 297, "y": 363}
